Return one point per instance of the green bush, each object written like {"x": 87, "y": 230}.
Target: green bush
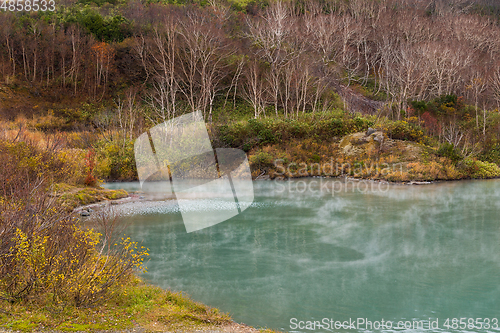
{"x": 116, "y": 160}
{"x": 259, "y": 132}
{"x": 491, "y": 153}
{"x": 262, "y": 159}
{"x": 267, "y": 136}
{"x": 344, "y": 126}
{"x": 480, "y": 169}
{"x": 403, "y": 130}
{"x": 255, "y": 125}
{"x": 448, "y": 150}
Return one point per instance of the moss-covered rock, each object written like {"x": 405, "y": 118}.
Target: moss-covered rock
{"x": 71, "y": 197}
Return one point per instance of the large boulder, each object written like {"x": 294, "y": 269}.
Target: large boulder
{"x": 362, "y": 142}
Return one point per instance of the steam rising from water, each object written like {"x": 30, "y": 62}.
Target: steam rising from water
{"x": 409, "y": 253}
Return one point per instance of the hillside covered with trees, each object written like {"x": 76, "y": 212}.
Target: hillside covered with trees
{"x": 105, "y": 71}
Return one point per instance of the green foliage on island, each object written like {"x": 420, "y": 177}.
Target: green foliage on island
{"x": 480, "y": 169}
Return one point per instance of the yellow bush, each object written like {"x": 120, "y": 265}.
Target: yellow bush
{"x": 42, "y": 251}
{"x": 77, "y": 272}
{"x": 74, "y": 165}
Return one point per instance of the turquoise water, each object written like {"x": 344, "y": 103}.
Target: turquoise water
{"x": 302, "y": 253}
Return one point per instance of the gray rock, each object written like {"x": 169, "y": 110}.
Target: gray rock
{"x": 379, "y": 137}
{"x": 419, "y": 183}
{"x": 370, "y": 131}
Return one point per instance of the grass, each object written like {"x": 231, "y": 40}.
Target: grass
{"x": 137, "y": 305}
{"x": 71, "y": 197}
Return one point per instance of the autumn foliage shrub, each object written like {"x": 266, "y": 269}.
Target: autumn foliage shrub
{"x": 43, "y": 252}
{"x": 404, "y": 130}
{"x": 47, "y": 254}
{"x": 479, "y": 169}
{"x": 90, "y": 180}
{"x": 116, "y": 159}
{"x": 262, "y": 159}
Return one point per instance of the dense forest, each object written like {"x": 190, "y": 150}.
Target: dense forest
{"x": 284, "y": 56}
